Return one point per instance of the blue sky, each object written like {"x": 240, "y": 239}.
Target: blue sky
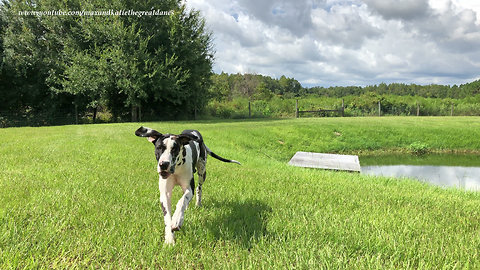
{"x": 347, "y": 42}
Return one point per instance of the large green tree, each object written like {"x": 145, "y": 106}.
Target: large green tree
{"x": 161, "y": 64}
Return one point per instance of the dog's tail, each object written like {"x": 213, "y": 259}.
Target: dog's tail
{"x": 221, "y": 158}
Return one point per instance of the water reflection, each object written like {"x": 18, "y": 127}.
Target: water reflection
{"x": 448, "y": 176}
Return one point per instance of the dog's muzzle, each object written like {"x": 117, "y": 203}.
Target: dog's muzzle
{"x": 165, "y": 169}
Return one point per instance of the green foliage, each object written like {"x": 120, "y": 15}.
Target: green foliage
{"x": 234, "y": 85}
{"x": 226, "y": 87}
{"x": 159, "y": 63}
{"x": 220, "y": 87}
{"x": 401, "y": 89}
{"x": 364, "y": 105}
{"x": 262, "y": 92}
{"x": 230, "y": 91}
{"x": 418, "y": 148}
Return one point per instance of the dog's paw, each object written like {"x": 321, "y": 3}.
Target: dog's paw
{"x": 177, "y": 222}
{"x": 169, "y": 241}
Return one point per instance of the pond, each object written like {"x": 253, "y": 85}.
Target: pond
{"x": 446, "y": 170}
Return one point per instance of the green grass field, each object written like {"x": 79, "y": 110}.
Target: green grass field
{"x": 87, "y": 196}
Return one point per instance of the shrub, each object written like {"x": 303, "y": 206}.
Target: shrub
{"x": 418, "y": 148}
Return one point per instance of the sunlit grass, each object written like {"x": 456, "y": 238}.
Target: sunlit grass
{"x": 87, "y": 196}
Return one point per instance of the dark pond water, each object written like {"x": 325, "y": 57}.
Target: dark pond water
{"x": 461, "y": 171}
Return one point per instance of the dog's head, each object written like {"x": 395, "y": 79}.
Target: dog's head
{"x": 169, "y": 149}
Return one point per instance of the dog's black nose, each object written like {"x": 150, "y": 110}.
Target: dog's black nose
{"x": 164, "y": 165}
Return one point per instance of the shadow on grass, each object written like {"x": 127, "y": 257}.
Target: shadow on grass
{"x": 243, "y": 222}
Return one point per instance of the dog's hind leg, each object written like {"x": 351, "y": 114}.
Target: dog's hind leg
{"x": 177, "y": 220}
{"x": 202, "y": 174}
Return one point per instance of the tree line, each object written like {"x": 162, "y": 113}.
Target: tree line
{"x": 257, "y": 87}
{"x": 126, "y": 65}
{"x": 244, "y": 95}
{"x": 402, "y": 89}
{"x": 153, "y": 67}
{"x": 252, "y": 86}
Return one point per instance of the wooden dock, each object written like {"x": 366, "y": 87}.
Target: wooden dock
{"x": 326, "y": 161}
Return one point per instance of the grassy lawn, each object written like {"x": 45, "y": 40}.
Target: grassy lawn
{"x": 87, "y": 196}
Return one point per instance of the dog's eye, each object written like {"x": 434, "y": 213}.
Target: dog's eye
{"x": 162, "y": 147}
{"x": 176, "y": 147}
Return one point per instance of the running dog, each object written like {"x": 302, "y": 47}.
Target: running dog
{"x": 178, "y": 157}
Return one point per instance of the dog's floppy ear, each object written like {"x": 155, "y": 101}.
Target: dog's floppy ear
{"x": 151, "y": 134}
{"x": 186, "y": 138}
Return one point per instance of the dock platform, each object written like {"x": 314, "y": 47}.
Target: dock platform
{"x": 326, "y": 161}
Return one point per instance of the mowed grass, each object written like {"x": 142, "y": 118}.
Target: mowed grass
{"x": 87, "y": 197}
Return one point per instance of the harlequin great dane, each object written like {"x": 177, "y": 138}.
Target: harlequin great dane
{"x": 178, "y": 156}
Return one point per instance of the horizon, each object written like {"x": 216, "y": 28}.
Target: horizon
{"x": 362, "y": 86}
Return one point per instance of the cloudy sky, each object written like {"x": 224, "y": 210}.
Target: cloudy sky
{"x": 347, "y": 42}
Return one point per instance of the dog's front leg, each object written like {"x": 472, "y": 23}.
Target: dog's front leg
{"x": 182, "y": 205}
{"x": 166, "y": 186}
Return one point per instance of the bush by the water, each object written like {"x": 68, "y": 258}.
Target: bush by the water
{"x": 418, "y": 148}
{"x": 364, "y": 105}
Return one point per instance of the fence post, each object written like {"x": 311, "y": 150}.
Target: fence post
{"x": 379, "y": 109}
{"x": 249, "y": 110}
{"x": 418, "y": 109}
{"x": 296, "y": 108}
{"x": 343, "y": 108}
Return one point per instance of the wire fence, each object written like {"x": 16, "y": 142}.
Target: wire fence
{"x": 336, "y": 108}
{"x": 16, "y": 119}
{"x": 244, "y": 109}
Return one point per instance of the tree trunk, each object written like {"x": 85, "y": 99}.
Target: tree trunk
{"x": 94, "y": 114}
{"x": 134, "y": 114}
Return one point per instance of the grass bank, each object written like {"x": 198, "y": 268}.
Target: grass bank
{"x": 77, "y": 196}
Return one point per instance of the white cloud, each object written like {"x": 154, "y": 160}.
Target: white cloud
{"x": 347, "y": 42}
